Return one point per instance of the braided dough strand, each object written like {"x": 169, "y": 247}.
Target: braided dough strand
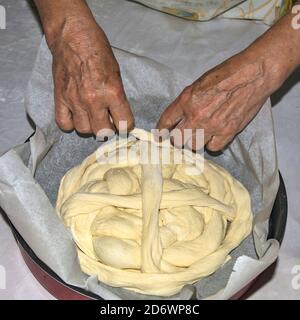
{"x": 152, "y": 228}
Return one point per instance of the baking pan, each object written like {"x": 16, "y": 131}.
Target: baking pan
{"x": 63, "y": 291}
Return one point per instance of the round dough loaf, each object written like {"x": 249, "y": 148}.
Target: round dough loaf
{"x": 152, "y": 228}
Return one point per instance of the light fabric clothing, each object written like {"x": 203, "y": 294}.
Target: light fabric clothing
{"x": 266, "y": 10}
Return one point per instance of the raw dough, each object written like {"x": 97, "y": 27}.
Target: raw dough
{"x": 152, "y": 228}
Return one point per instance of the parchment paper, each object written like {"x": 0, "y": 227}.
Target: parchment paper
{"x": 159, "y": 55}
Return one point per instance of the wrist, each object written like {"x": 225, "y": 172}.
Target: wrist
{"x": 273, "y": 64}
{"x": 70, "y": 28}
{"x": 278, "y": 50}
{"x": 64, "y": 18}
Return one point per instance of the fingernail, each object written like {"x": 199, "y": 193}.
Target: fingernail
{"x": 104, "y": 134}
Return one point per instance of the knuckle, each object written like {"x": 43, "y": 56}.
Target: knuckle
{"x": 186, "y": 94}
{"x": 115, "y": 91}
{"x": 60, "y": 121}
{"x": 216, "y": 123}
{"x": 212, "y": 148}
{"x": 194, "y": 97}
{"x": 63, "y": 123}
{"x": 230, "y": 129}
{"x": 90, "y": 96}
{"x": 201, "y": 114}
{"x": 168, "y": 122}
{"x": 215, "y": 145}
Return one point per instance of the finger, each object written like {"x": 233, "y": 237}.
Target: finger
{"x": 81, "y": 121}
{"x": 251, "y": 114}
{"x": 218, "y": 143}
{"x": 197, "y": 140}
{"x": 234, "y": 108}
{"x": 63, "y": 115}
{"x": 172, "y": 115}
{"x": 187, "y": 134}
{"x": 122, "y": 116}
{"x": 102, "y": 126}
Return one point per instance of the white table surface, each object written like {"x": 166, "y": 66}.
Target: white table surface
{"x": 18, "y": 47}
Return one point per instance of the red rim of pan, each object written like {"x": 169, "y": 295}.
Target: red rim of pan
{"x": 63, "y": 291}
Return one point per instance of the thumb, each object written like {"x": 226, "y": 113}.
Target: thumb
{"x": 172, "y": 115}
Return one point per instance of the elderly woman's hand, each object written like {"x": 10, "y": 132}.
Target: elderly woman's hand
{"x": 88, "y": 89}
{"x": 222, "y": 101}
{"x": 225, "y": 99}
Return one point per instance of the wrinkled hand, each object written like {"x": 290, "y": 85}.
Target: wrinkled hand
{"x": 88, "y": 89}
{"x": 222, "y": 102}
